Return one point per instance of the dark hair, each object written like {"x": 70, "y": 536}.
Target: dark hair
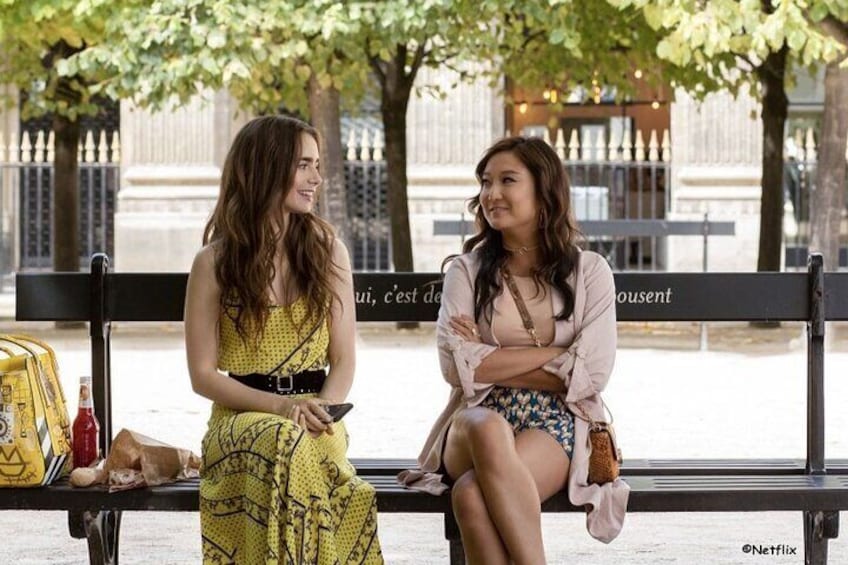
{"x": 258, "y": 174}
{"x": 558, "y": 230}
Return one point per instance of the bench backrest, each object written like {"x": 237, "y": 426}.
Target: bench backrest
{"x": 101, "y": 297}
{"x": 402, "y": 297}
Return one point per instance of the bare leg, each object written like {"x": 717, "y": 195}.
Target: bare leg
{"x": 546, "y": 460}
{"x": 480, "y": 537}
{"x": 481, "y": 438}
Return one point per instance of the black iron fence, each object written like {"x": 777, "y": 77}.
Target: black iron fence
{"x": 27, "y": 207}
{"x": 800, "y": 170}
{"x": 98, "y": 188}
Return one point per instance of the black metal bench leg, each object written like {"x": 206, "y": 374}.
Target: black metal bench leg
{"x": 818, "y": 528}
{"x": 457, "y": 553}
{"x": 102, "y": 530}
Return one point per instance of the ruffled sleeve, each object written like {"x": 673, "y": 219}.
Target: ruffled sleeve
{"x": 458, "y": 357}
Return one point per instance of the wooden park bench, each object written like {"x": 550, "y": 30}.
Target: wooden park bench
{"x": 813, "y": 486}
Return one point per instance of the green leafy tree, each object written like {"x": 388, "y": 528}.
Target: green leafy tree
{"x": 38, "y": 38}
{"x": 531, "y": 41}
{"x": 304, "y": 55}
{"x": 174, "y": 49}
{"x": 271, "y": 56}
{"x": 768, "y": 40}
{"x": 589, "y": 45}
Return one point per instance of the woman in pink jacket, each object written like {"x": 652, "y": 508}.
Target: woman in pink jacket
{"x": 526, "y": 337}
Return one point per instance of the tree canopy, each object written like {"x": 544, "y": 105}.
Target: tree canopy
{"x": 768, "y": 40}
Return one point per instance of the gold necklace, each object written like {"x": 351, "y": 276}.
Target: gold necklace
{"x": 520, "y": 250}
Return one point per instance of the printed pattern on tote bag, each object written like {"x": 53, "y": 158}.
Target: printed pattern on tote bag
{"x": 35, "y": 439}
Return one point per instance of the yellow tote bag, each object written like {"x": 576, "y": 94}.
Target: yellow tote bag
{"x": 35, "y": 432}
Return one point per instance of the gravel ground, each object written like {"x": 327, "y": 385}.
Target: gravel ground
{"x": 744, "y": 397}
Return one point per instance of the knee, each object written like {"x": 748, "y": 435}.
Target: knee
{"x": 489, "y": 436}
{"x": 467, "y": 499}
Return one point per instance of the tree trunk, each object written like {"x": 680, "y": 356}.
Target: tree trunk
{"x": 775, "y": 106}
{"x": 396, "y": 87}
{"x": 66, "y": 238}
{"x": 827, "y": 200}
{"x": 324, "y": 111}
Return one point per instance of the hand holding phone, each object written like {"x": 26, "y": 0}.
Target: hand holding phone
{"x": 338, "y": 411}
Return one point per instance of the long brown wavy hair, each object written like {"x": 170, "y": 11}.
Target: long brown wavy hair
{"x": 558, "y": 237}
{"x": 258, "y": 174}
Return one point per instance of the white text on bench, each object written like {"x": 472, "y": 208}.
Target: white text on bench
{"x": 644, "y": 296}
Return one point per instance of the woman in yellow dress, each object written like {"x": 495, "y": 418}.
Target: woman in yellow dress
{"x": 269, "y": 305}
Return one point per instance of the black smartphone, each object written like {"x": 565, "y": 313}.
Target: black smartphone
{"x": 338, "y": 411}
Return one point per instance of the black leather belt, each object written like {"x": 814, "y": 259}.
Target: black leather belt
{"x": 298, "y": 383}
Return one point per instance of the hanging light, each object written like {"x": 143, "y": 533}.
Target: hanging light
{"x": 554, "y": 96}
{"x": 638, "y": 73}
{"x": 546, "y": 94}
{"x": 522, "y": 108}
{"x": 655, "y": 105}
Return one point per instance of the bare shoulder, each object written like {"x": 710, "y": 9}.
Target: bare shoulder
{"x": 204, "y": 261}
{"x": 340, "y": 255}
{"x": 203, "y": 288}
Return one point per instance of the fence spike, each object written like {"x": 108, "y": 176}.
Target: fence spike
{"x": 666, "y": 146}
{"x": 640, "y": 146}
{"x": 378, "y": 146}
{"x": 26, "y": 148}
{"x": 546, "y": 136}
{"x": 365, "y": 147}
{"x": 116, "y": 148}
{"x": 613, "y": 144}
{"x": 14, "y": 155}
{"x": 810, "y": 146}
{"x": 89, "y": 147}
{"x": 102, "y": 148}
{"x": 600, "y": 147}
{"x": 351, "y": 145}
{"x": 51, "y": 146}
{"x": 626, "y": 147}
{"x": 560, "y": 144}
{"x": 574, "y": 146}
{"x": 39, "y": 147}
{"x": 653, "y": 147}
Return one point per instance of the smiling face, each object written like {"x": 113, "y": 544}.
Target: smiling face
{"x": 303, "y": 194}
{"x": 508, "y": 194}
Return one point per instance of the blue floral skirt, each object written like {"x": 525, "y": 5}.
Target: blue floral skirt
{"x": 527, "y": 409}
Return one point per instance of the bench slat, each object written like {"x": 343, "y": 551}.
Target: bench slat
{"x": 634, "y": 467}
{"x": 652, "y": 493}
{"x": 706, "y": 493}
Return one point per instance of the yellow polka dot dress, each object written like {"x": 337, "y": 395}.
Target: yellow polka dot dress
{"x": 270, "y": 492}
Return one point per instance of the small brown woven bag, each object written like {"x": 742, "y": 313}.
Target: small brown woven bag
{"x": 605, "y": 457}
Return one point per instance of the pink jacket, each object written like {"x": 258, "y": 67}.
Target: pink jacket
{"x": 590, "y": 336}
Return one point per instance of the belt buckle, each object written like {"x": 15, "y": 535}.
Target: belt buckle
{"x": 287, "y": 379}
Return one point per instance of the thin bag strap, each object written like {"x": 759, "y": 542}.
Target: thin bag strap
{"x": 531, "y": 329}
{"x": 526, "y": 319}
{"x": 585, "y": 414}
{"x": 296, "y": 349}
